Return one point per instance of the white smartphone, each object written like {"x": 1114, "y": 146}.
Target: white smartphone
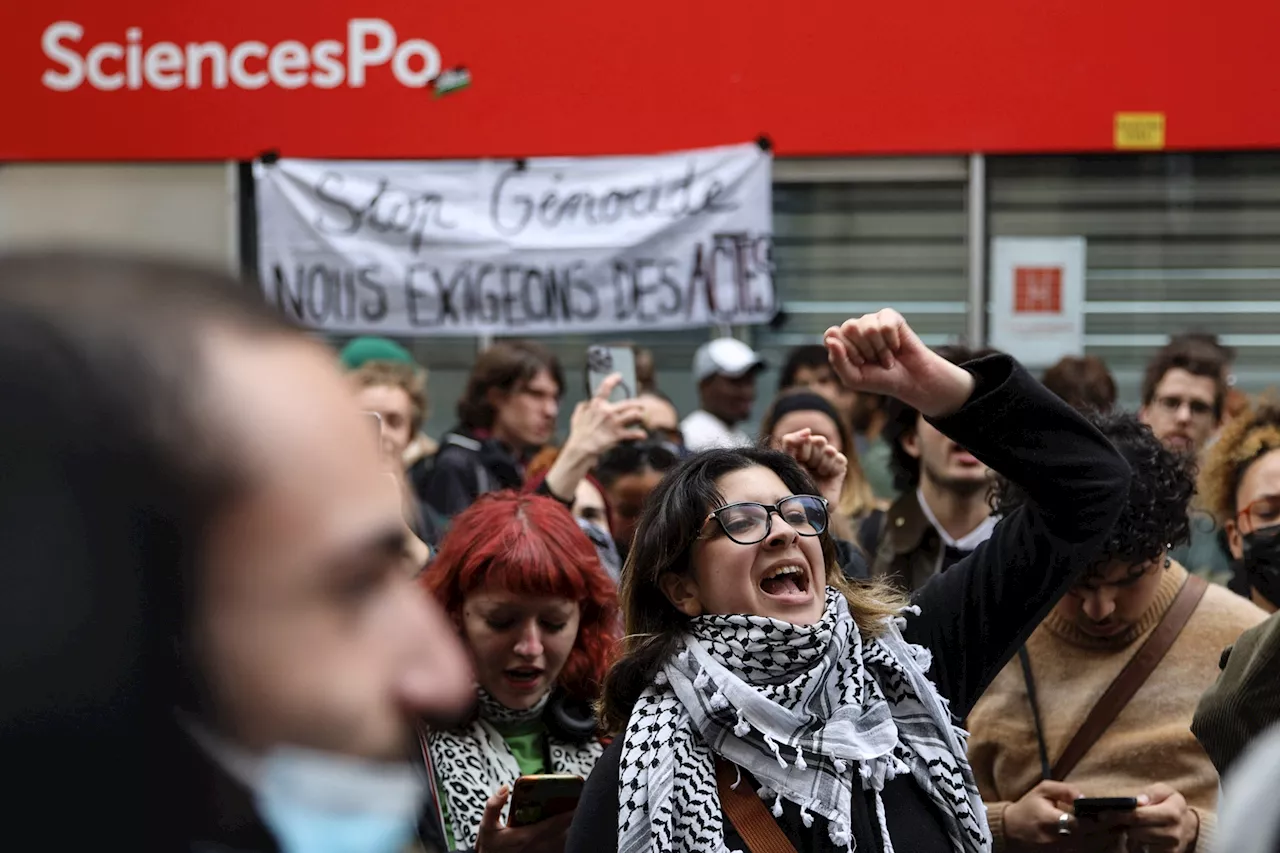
{"x": 603, "y": 361}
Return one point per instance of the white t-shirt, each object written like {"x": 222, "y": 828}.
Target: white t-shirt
{"x": 704, "y": 431}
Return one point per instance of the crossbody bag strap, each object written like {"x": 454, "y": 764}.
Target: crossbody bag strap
{"x": 1132, "y": 677}
{"x": 748, "y": 814}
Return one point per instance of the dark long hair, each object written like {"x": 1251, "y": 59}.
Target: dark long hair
{"x": 663, "y": 543}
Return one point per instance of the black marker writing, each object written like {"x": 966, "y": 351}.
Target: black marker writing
{"x": 512, "y": 207}
{"x": 388, "y": 211}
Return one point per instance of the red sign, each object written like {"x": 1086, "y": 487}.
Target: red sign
{"x": 84, "y": 79}
{"x": 1037, "y": 290}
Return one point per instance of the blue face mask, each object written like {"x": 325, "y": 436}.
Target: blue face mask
{"x": 316, "y": 802}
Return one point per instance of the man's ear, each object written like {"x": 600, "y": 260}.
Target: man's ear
{"x": 682, "y": 592}
{"x": 911, "y": 443}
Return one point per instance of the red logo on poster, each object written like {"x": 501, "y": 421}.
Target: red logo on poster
{"x": 1037, "y": 290}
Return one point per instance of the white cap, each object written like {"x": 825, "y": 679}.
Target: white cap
{"x": 727, "y": 356}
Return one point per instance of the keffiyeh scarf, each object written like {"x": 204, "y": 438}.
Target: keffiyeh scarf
{"x": 810, "y": 711}
{"x": 470, "y": 763}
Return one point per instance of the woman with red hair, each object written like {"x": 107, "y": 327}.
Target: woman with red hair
{"x": 525, "y": 589}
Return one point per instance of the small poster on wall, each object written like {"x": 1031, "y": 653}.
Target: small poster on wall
{"x": 1037, "y": 297}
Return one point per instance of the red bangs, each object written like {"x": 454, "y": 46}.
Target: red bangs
{"x": 531, "y": 545}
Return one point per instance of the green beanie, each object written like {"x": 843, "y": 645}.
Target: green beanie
{"x": 360, "y": 350}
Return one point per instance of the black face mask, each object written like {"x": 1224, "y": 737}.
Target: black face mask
{"x": 1261, "y": 562}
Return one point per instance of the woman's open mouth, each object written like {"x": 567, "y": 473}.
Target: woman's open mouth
{"x": 522, "y": 678}
{"x": 788, "y": 582}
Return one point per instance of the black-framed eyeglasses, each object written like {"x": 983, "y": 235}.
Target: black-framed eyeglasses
{"x": 748, "y": 523}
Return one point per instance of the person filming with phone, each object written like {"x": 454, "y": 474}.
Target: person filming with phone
{"x": 526, "y": 592}
{"x": 1099, "y": 701}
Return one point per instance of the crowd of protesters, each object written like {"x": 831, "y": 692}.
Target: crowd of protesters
{"x": 930, "y": 605}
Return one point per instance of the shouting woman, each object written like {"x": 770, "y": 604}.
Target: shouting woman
{"x": 750, "y": 664}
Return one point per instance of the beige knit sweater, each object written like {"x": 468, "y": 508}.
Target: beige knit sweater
{"x": 1149, "y": 742}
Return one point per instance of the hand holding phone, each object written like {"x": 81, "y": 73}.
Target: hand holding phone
{"x": 545, "y": 836}
{"x": 537, "y": 798}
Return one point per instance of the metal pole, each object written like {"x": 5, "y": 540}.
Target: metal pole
{"x": 976, "y": 329}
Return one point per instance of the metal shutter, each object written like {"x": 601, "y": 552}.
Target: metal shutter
{"x": 1176, "y": 242}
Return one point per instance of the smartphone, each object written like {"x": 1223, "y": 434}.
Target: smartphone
{"x": 536, "y": 798}
{"x": 1097, "y": 806}
{"x": 604, "y": 361}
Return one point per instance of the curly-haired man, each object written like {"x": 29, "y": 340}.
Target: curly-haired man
{"x": 1024, "y": 724}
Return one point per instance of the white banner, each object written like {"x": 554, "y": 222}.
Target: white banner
{"x": 536, "y": 247}
{"x": 1037, "y": 298}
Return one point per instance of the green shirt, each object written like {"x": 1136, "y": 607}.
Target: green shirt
{"x": 527, "y": 742}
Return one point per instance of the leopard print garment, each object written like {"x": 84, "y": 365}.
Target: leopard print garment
{"x": 470, "y": 763}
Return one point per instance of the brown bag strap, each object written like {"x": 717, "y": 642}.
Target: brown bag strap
{"x": 1133, "y": 676}
{"x": 753, "y": 820}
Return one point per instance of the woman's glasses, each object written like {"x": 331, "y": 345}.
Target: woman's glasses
{"x": 749, "y": 523}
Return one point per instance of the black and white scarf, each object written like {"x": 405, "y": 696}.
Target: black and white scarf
{"x": 470, "y": 763}
{"x": 807, "y": 710}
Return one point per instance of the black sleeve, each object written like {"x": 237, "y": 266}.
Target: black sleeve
{"x": 975, "y": 615}
{"x": 545, "y": 490}
{"x": 452, "y": 486}
{"x": 595, "y": 822}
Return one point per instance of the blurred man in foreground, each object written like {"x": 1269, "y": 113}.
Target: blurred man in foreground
{"x": 206, "y": 597}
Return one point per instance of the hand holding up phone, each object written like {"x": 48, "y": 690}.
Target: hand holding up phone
{"x": 547, "y": 836}
{"x": 597, "y": 426}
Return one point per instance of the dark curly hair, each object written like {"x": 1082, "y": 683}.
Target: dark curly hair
{"x": 1155, "y": 516}
{"x": 901, "y": 421}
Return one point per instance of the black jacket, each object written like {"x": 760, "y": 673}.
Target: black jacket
{"x": 217, "y": 813}
{"x": 975, "y": 615}
{"x": 467, "y": 467}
